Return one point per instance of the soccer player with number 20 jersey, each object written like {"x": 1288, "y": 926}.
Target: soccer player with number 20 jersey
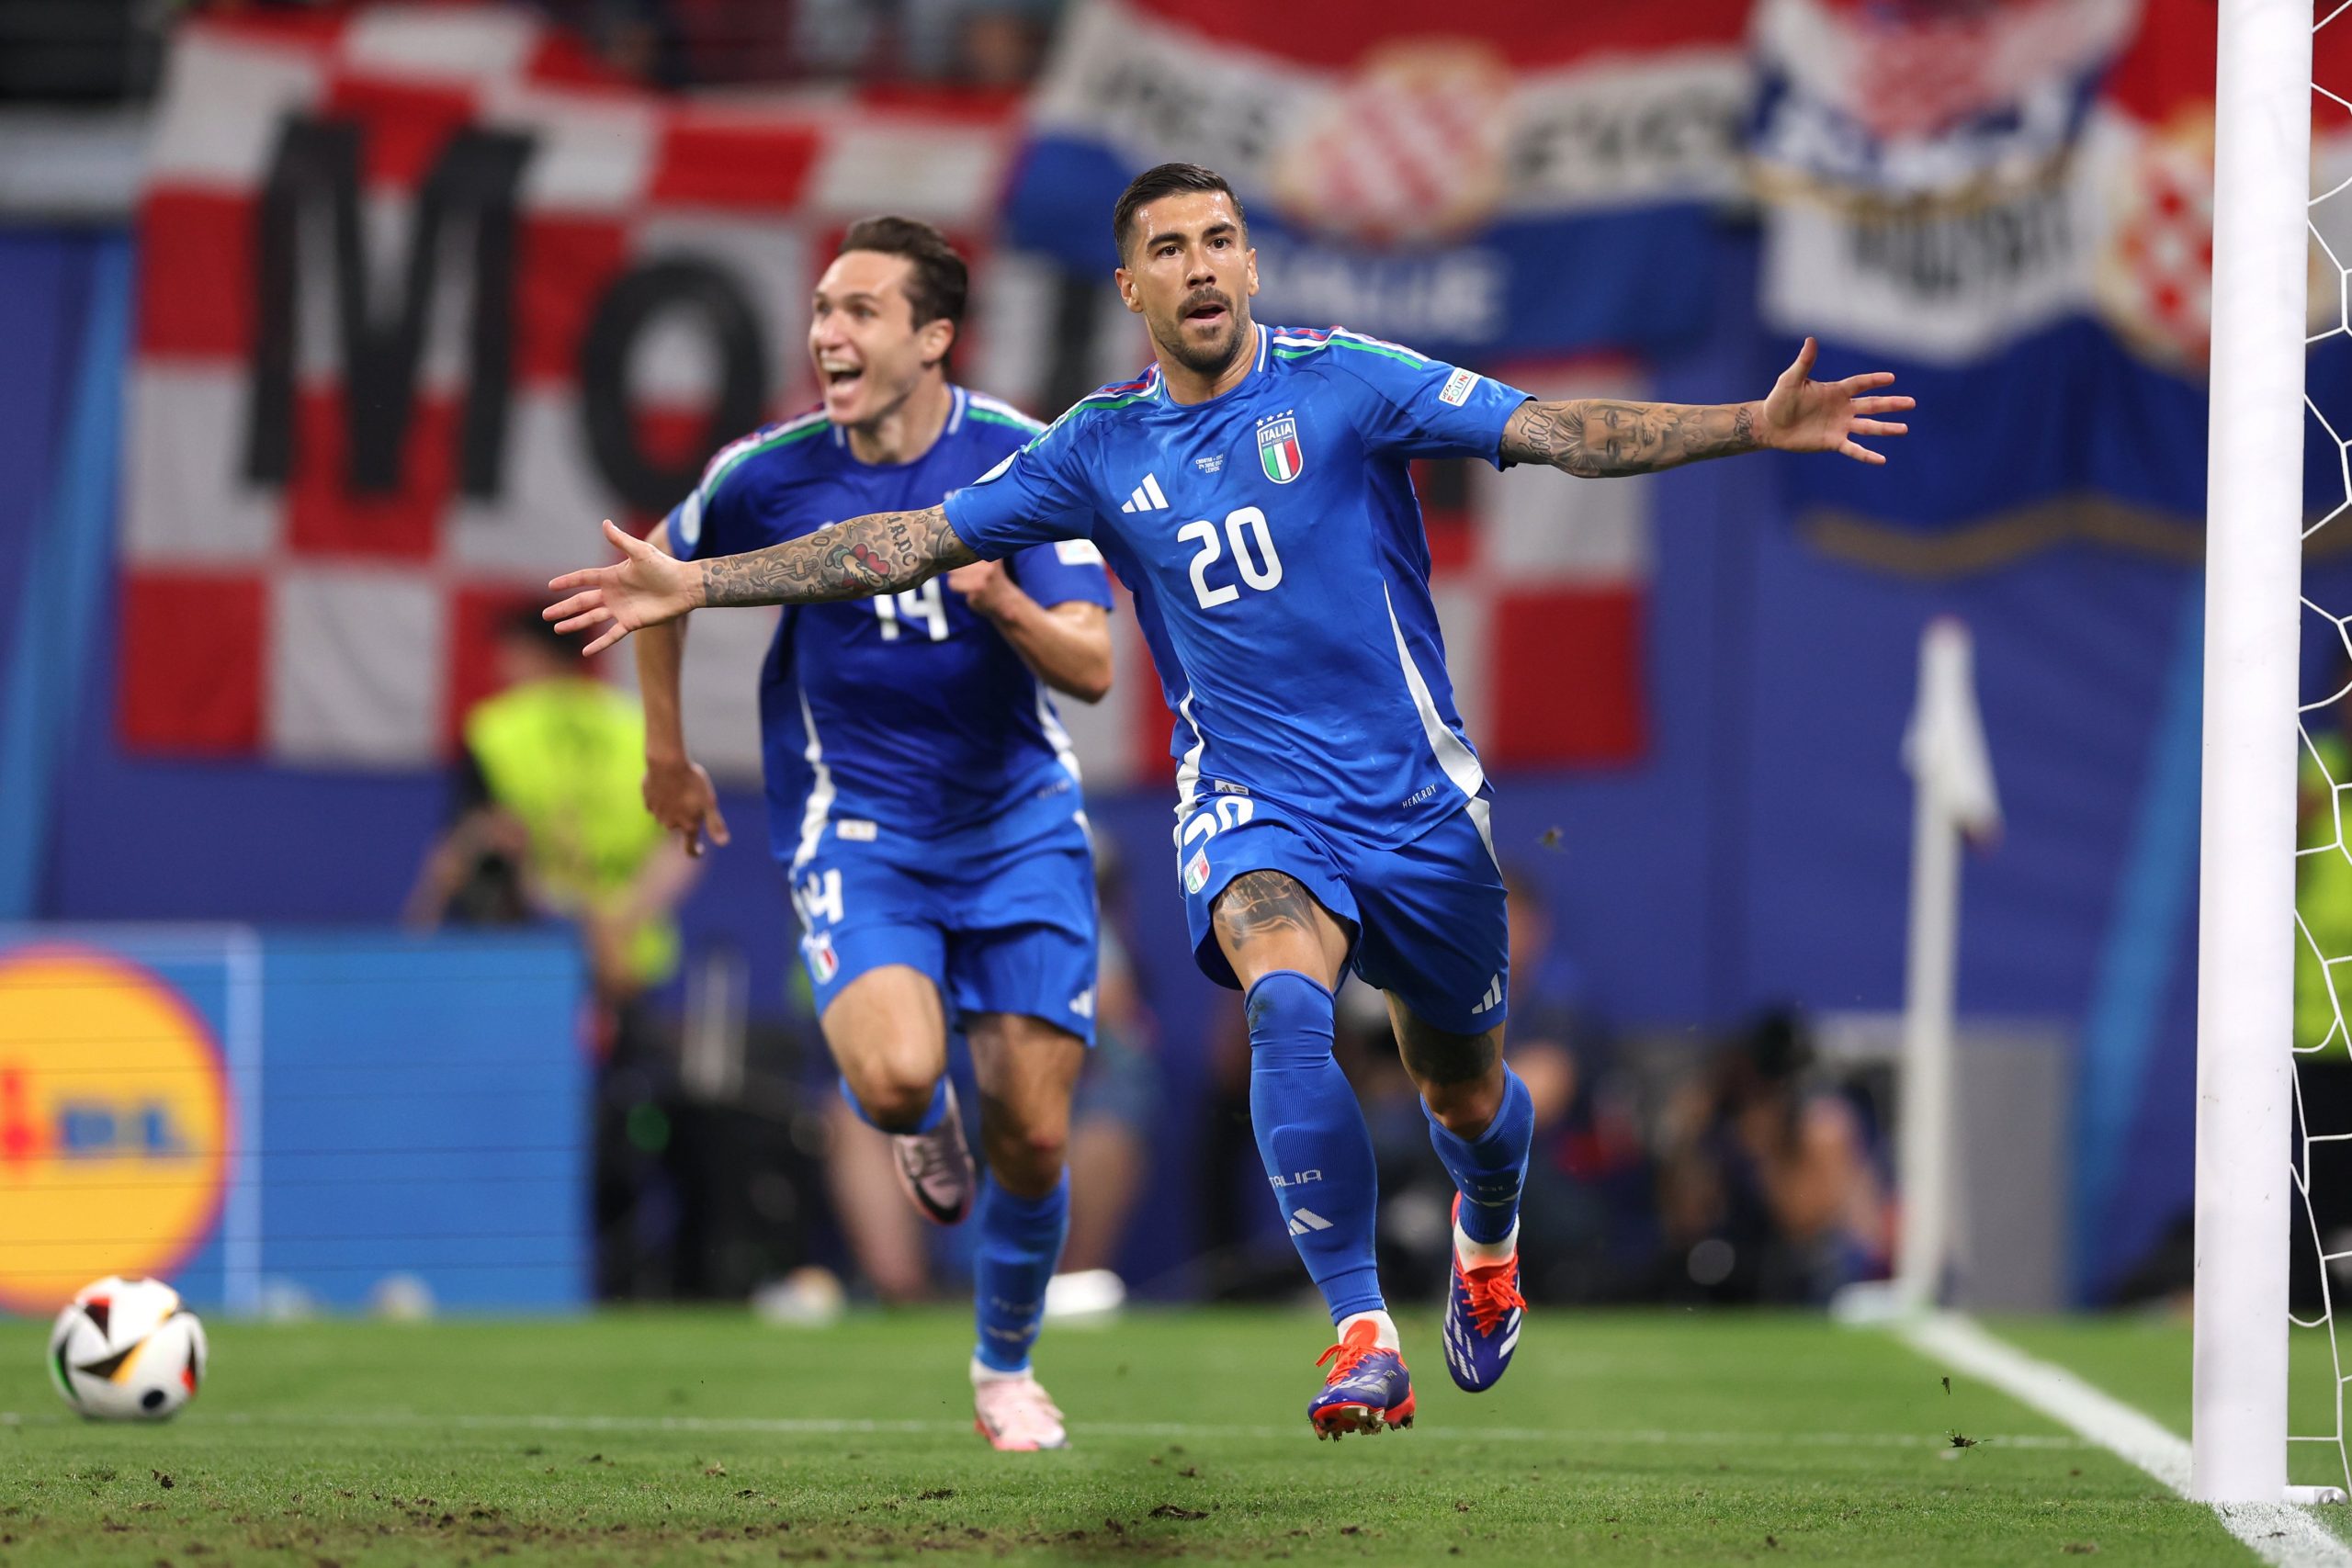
{"x": 1252, "y": 487}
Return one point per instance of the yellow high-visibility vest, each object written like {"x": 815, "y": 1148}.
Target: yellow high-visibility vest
{"x": 566, "y": 757}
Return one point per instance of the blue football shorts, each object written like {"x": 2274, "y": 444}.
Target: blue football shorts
{"x": 1426, "y": 918}
{"x": 997, "y": 928}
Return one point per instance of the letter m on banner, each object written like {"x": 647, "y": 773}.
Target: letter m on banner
{"x": 424, "y": 294}
{"x": 316, "y": 176}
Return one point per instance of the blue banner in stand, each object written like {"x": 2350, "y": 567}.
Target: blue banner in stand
{"x": 1496, "y": 184}
{"x": 2026, "y": 245}
{"x": 279, "y": 1122}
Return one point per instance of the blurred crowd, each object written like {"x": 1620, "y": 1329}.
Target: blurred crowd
{"x": 972, "y": 43}
{"x": 1729, "y": 1170}
{"x": 106, "y": 50}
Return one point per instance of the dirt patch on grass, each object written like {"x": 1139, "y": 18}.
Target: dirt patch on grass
{"x": 484, "y": 1536}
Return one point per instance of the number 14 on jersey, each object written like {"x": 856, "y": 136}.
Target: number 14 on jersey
{"x": 919, "y": 606}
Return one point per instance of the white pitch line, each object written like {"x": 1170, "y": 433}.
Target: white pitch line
{"x": 2280, "y": 1533}
{"x": 812, "y": 1426}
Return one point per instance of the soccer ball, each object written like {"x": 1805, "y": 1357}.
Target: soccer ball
{"x": 126, "y": 1351}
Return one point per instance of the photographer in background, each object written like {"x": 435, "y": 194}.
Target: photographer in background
{"x": 1770, "y": 1188}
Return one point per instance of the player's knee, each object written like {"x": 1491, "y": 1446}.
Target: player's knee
{"x": 894, "y": 1091}
{"x": 1464, "y": 1109}
{"x": 1028, "y": 1157}
{"x": 1042, "y": 1150}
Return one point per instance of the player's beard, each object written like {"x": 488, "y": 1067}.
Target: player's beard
{"x": 1211, "y": 359}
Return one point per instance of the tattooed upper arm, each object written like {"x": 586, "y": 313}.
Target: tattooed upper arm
{"x": 879, "y": 553}
{"x": 1600, "y": 437}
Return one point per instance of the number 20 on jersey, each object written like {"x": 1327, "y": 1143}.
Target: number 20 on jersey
{"x": 1253, "y": 553}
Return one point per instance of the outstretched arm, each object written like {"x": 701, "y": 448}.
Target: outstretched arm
{"x": 876, "y": 553}
{"x": 1603, "y": 437}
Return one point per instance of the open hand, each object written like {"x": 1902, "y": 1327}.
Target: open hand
{"x": 1805, "y": 415}
{"x": 644, "y": 589}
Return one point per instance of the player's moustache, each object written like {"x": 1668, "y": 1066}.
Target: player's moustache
{"x": 1206, "y": 297}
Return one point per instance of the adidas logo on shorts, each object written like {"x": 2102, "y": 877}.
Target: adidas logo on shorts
{"x": 1492, "y": 1000}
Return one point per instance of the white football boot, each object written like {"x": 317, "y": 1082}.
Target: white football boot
{"x": 1013, "y": 1411}
{"x": 935, "y": 1167}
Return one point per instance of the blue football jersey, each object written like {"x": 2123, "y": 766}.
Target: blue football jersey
{"x": 904, "y": 718}
{"x": 1280, "y": 569}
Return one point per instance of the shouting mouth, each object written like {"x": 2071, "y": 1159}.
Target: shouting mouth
{"x": 1208, "y": 310}
{"x": 841, "y": 378}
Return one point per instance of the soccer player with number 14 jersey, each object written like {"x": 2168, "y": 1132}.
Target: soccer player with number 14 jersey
{"x": 921, "y": 791}
{"x": 1252, "y": 487}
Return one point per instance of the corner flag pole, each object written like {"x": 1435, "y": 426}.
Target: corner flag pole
{"x": 1953, "y": 794}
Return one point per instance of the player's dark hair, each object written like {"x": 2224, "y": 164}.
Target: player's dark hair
{"x": 524, "y": 623}
{"x": 938, "y": 283}
{"x": 1167, "y": 179}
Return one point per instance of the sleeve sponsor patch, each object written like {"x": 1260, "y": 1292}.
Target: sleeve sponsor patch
{"x": 1077, "y": 552}
{"x": 1457, "y": 387}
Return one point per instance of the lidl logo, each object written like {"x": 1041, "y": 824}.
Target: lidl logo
{"x": 114, "y": 1124}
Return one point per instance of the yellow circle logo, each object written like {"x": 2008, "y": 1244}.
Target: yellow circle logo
{"x": 114, "y": 1126}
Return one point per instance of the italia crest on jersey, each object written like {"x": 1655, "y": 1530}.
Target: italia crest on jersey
{"x": 1278, "y": 450}
{"x": 824, "y": 961}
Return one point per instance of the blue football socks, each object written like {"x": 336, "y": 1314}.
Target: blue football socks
{"x": 1020, "y": 1244}
{"x": 1489, "y": 1170}
{"x": 1312, "y": 1137}
{"x": 931, "y": 1116}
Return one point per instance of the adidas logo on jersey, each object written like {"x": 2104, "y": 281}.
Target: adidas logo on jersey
{"x": 1305, "y": 1221}
{"x": 1147, "y": 497}
{"x": 1082, "y": 1004}
{"x": 1492, "y": 1000}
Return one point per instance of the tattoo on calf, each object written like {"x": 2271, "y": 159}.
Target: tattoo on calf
{"x": 1432, "y": 1055}
{"x": 876, "y": 553}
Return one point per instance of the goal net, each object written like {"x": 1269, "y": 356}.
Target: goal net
{"x": 2275, "y": 1237}
{"x": 2321, "y": 1259}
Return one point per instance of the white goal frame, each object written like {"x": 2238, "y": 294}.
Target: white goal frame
{"x": 2253, "y": 595}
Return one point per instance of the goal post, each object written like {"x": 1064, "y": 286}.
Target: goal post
{"x": 2253, "y": 590}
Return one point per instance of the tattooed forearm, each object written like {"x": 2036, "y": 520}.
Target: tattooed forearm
{"x": 1600, "y": 437}
{"x": 1258, "y": 902}
{"x": 876, "y": 553}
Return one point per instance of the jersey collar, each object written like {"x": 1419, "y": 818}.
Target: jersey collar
{"x": 959, "y": 402}
{"x": 1151, "y": 378}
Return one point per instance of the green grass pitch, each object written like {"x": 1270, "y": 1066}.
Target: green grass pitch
{"x": 703, "y": 1436}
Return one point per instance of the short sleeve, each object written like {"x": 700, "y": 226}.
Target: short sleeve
{"x": 1065, "y": 571}
{"x": 1033, "y": 497}
{"x": 709, "y": 522}
{"x": 1416, "y": 407}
